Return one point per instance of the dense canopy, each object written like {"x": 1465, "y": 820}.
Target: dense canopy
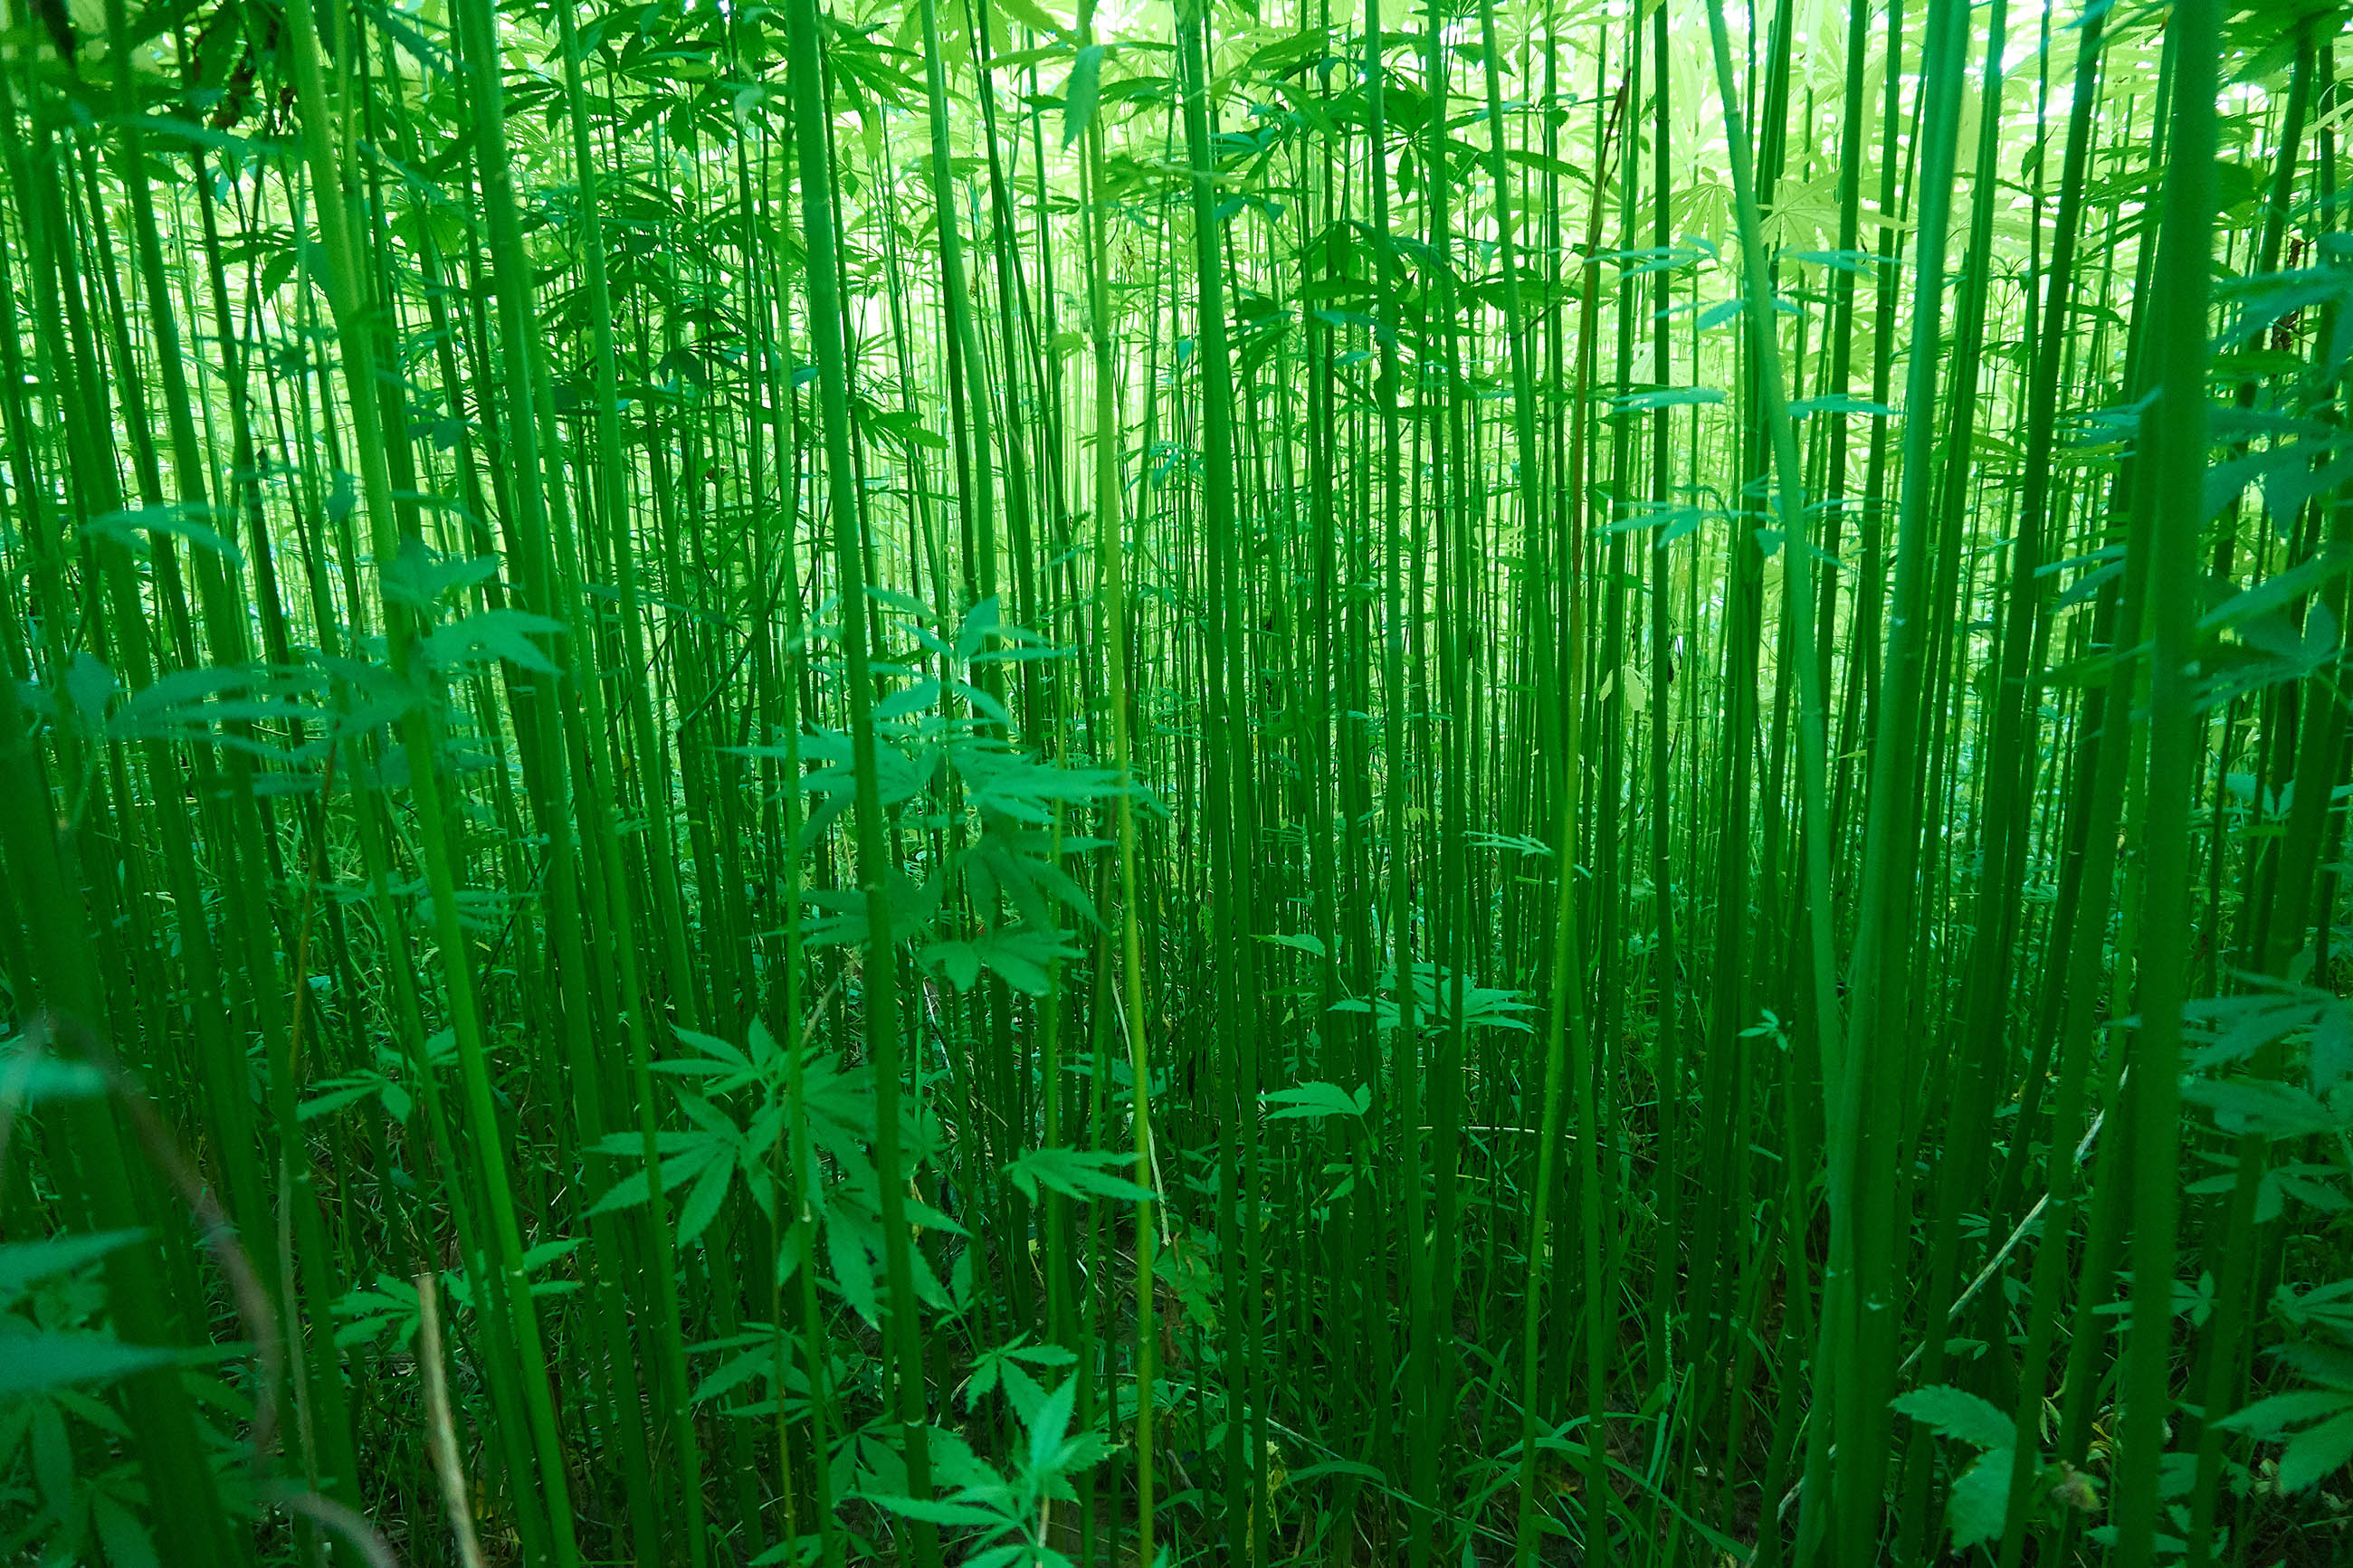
{"x": 928, "y": 782}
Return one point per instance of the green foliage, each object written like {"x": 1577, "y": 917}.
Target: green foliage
{"x": 1219, "y": 783}
{"x": 1075, "y": 1173}
{"x": 40, "y": 1360}
{"x": 1314, "y": 1101}
{"x": 1006, "y": 1510}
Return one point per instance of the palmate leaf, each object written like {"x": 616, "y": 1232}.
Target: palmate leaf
{"x": 183, "y": 522}
{"x": 387, "y": 1084}
{"x": 1314, "y": 1101}
{"x": 851, "y": 1216}
{"x": 1670, "y": 396}
{"x": 871, "y": 1464}
{"x": 934, "y": 1511}
{"x": 910, "y": 701}
{"x": 419, "y": 578}
{"x": 2259, "y": 1106}
{"x": 1020, "y": 863}
{"x": 700, "y": 1150}
{"x": 120, "y": 1531}
{"x": 491, "y": 635}
{"x": 2317, "y": 1453}
{"x": 336, "y": 1094}
{"x": 1049, "y": 1422}
{"x": 959, "y": 960}
{"x": 844, "y": 920}
{"x": 837, "y": 1108}
{"x": 721, "y": 1065}
{"x": 980, "y": 624}
{"x": 1001, "y": 779}
{"x": 710, "y": 1192}
{"x": 1521, "y": 843}
{"x": 391, "y": 1305}
{"x": 989, "y": 1367}
{"x": 1080, "y": 92}
{"x": 2325, "y": 1414}
{"x": 717, "y": 1148}
{"x": 2281, "y": 588}
{"x": 792, "y": 1552}
{"x": 1021, "y": 955}
{"x": 2325, "y": 1442}
{"x": 2269, "y": 1418}
{"x": 2237, "y": 1026}
{"x": 23, "y": 1263}
{"x": 2307, "y": 1184}
{"x": 984, "y": 623}
{"x": 955, "y": 1464}
{"x": 1030, "y": 15}
{"x": 1077, "y": 1173}
{"x": 40, "y": 1362}
{"x": 1483, "y": 1006}
{"x": 903, "y": 769}
{"x": 851, "y": 1246}
{"x": 755, "y": 1359}
{"x": 1839, "y": 402}
{"x": 1021, "y": 1554}
{"x": 1023, "y": 1392}
{"x": 2328, "y": 1306}
{"x": 535, "y": 1258}
{"x": 699, "y": 487}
